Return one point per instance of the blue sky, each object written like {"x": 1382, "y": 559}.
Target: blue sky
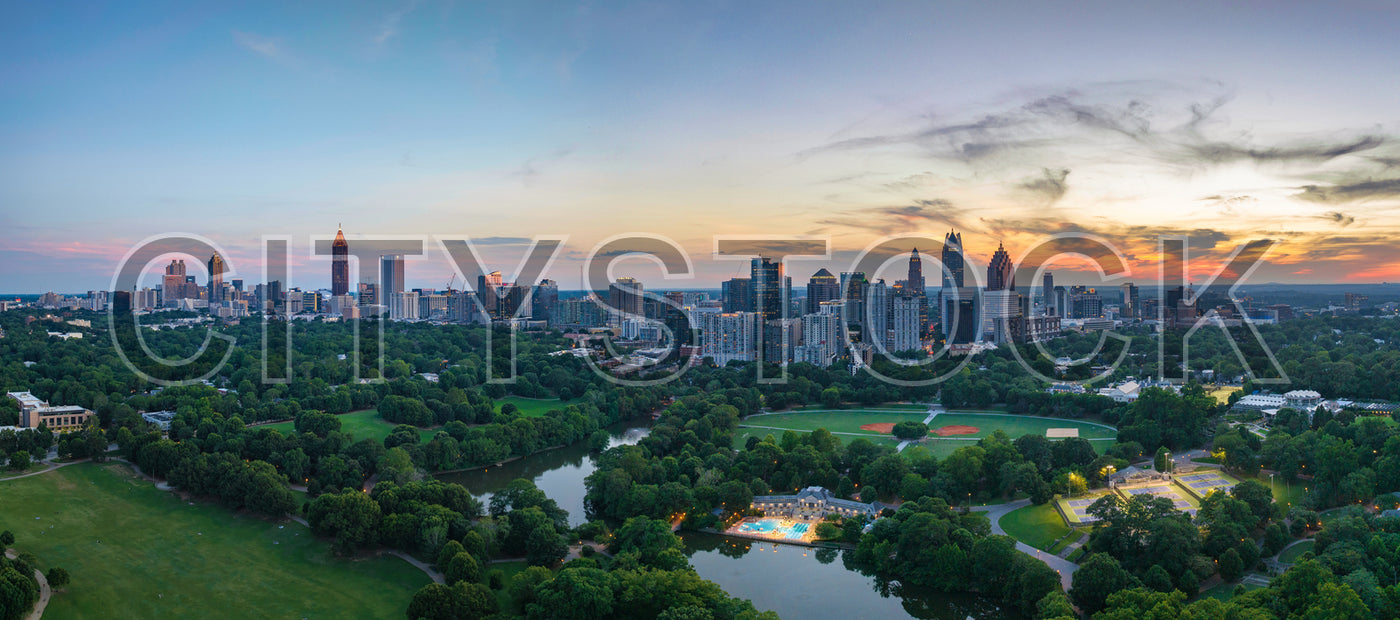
{"x": 123, "y": 120}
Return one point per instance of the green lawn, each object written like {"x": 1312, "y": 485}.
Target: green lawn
{"x": 510, "y": 569}
{"x": 533, "y": 407}
{"x": 362, "y": 424}
{"x": 741, "y": 437}
{"x": 833, "y": 420}
{"x": 137, "y": 552}
{"x": 1074, "y": 537}
{"x": 1037, "y": 526}
{"x": 1291, "y": 554}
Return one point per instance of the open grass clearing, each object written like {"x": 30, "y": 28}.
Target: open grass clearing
{"x": 1038, "y": 526}
{"x": 138, "y": 552}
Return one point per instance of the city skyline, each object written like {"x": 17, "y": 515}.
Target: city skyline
{"x": 509, "y": 122}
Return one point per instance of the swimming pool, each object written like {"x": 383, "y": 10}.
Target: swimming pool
{"x": 773, "y": 528}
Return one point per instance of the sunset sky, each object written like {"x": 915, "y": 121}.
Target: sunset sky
{"x": 501, "y": 121}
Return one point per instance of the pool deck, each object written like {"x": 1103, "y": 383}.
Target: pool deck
{"x": 807, "y": 539}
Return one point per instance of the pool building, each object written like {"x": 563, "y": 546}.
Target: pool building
{"x": 813, "y": 503}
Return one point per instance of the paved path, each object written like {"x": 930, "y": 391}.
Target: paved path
{"x": 44, "y": 592}
{"x": 50, "y": 467}
{"x": 933, "y": 411}
{"x": 1062, "y": 566}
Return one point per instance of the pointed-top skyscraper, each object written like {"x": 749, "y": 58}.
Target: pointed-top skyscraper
{"x": 953, "y": 261}
{"x": 1000, "y": 274}
{"x": 915, "y": 284}
{"x": 340, "y": 264}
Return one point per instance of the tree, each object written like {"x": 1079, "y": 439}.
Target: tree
{"x": 649, "y": 543}
{"x": 910, "y": 429}
{"x": 576, "y": 593}
{"x": 545, "y": 546}
{"x": 1231, "y": 567}
{"x": 1098, "y": 577}
{"x": 19, "y": 461}
{"x": 7, "y": 538}
{"x": 462, "y": 567}
{"x": 57, "y": 577}
{"x": 351, "y": 517}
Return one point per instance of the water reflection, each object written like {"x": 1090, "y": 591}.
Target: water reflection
{"x": 800, "y": 582}
{"x": 559, "y": 473}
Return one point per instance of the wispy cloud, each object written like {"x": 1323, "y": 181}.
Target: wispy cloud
{"x": 1338, "y": 218}
{"x": 264, "y": 46}
{"x": 389, "y": 27}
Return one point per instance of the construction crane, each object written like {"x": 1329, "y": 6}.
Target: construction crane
{"x": 450, "y": 281}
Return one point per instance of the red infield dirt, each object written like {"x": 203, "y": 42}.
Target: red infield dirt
{"x": 879, "y": 427}
{"x": 956, "y": 429}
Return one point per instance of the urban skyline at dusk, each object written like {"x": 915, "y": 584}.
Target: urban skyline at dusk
{"x": 502, "y": 123}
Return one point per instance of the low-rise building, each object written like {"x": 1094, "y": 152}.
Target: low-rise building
{"x": 34, "y": 412}
{"x": 813, "y": 503}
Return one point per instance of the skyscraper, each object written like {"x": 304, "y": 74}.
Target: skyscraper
{"x": 216, "y": 279}
{"x": 340, "y": 265}
{"x": 766, "y": 280}
{"x": 625, "y": 296}
{"x": 543, "y": 299}
{"x": 1047, "y": 292}
{"x": 915, "y": 283}
{"x": 1001, "y": 276}
{"x": 1132, "y": 302}
{"x": 737, "y": 294}
{"x": 173, "y": 285}
{"x": 953, "y": 261}
{"x": 822, "y": 287}
{"x": 391, "y": 274}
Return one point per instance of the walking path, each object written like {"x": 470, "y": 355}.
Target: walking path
{"x": 1062, "y": 566}
{"x": 44, "y": 591}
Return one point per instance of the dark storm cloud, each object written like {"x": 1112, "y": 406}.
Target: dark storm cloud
{"x": 1348, "y": 192}
{"x": 1050, "y": 185}
{"x": 1156, "y": 125}
{"x": 1317, "y": 151}
{"x": 895, "y": 219}
{"x": 1339, "y": 218}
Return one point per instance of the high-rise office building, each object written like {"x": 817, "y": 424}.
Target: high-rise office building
{"x": 543, "y": 299}
{"x": 822, "y": 339}
{"x": 173, "y": 285}
{"x": 340, "y": 265}
{"x": 1047, "y": 293}
{"x": 877, "y": 319}
{"x": 391, "y": 274}
{"x": 820, "y": 288}
{"x": 216, "y": 279}
{"x": 626, "y": 296}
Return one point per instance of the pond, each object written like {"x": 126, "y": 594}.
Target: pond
{"x": 559, "y": 473}
{"x": 805, "y": 582}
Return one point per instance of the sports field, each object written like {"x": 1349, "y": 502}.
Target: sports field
{"x": 847, "y": 424}
{"x": 137, "y": 552}
{"x": 1182, "y": 500}
{"x": 1076, "y": 509}
{"x": 363, "y": 424}
{"x": 1200, "y": 483}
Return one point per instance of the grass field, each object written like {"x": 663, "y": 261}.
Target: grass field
{"x": 1037, "y": 526}
{"x": 1291, "y": 554}
{"x": 363, "y": 424}
{"x": 510, "y": 569}
{"x": 137, "y": 552}
{"x": 1222, "y": 395}
{"x": 846, "y": 424}
{"x": 533, "y": 407}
